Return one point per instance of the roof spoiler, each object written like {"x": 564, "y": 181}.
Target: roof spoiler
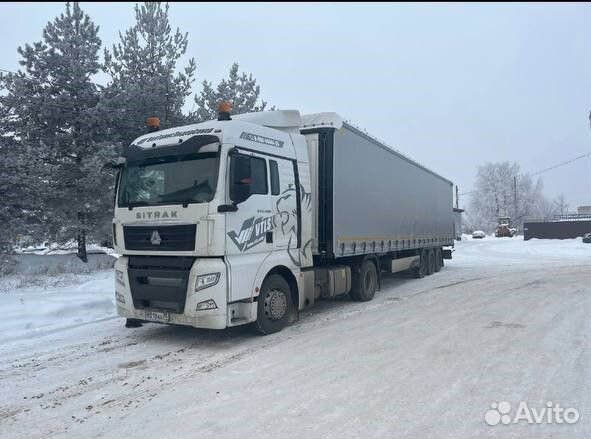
{"x": 190, "y": 146}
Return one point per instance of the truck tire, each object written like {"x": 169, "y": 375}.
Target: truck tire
{"x": 365, "y": 282}
{"x": 438, "y": 260}
{"x": 430, "y": 261}
{"x": 420, "y": 271}
{"x": 274, "y": 305}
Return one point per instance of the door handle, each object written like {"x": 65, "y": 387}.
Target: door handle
{"x": 269, "y": 237}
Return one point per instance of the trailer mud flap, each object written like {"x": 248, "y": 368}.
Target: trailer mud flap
{"x": 446, "y": 253}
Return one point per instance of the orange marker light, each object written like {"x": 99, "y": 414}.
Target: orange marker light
{"x": 153, "y": 123}
{"x": 225, "y": 107}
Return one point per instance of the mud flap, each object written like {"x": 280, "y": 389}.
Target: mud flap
{"x": 446, "y": 253}
{"x": 295, "y": 315}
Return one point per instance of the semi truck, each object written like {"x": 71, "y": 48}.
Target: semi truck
{"x": 251, "y": 218}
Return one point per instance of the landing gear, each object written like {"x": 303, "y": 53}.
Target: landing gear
{"x": 430, "y": 261}
{"x": 438, "y": 259}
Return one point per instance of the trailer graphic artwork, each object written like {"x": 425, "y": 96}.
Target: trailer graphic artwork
{"x": 252, "y": 232}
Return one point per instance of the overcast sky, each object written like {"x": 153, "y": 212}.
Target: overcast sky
{"x": 451, "y": 85}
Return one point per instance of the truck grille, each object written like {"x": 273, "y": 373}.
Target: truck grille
{"x": 162, "y": 238}
{"x": 159, "y": 282}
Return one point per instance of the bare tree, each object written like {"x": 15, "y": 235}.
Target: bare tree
{"x": 502, "y": 190}
{"x": 561, "y": 204}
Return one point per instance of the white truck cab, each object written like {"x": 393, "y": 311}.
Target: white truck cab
{"x": 205, "y": 213}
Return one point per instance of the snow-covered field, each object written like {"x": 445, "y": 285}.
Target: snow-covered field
{"x": 505, "y": 320}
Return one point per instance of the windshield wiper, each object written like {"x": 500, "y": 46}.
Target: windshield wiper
{"x": 133, "y": 204}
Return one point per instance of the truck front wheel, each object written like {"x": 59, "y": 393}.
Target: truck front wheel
{"x": 365, "y": 282}
{"x": 274, "y": 305}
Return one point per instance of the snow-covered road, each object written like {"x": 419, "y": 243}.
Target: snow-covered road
{"x": 505, "y": 320}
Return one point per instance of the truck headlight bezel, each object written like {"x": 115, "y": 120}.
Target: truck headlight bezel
{"x": 206, "y": 280}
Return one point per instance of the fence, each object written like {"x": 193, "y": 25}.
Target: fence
{"x": 572, "y": 217}
{"x": 565, "y": 229}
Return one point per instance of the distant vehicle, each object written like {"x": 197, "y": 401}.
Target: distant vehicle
{"x": 587, "y": 238}
{"x": 504, "y": 228}
{"x": 478, "y": 234}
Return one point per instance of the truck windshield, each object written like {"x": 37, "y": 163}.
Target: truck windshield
{"x": 169, "y": 180}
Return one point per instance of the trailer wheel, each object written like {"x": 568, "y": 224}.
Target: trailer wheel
{"x": 420, "y": 271}
{"x": 430, "y": 261}
{"x": 274, "y": 305}
{"x": 438, "y": 260}
{"x": 365, "y": 282}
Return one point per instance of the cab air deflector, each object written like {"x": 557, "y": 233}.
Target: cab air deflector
{"x": 190, "y": 146}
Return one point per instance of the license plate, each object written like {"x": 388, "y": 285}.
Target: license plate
{"x": 157, "y": 315}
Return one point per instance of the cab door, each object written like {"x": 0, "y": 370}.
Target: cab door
{"x": 248, "y": 228}
{"x": 284, "y": 200}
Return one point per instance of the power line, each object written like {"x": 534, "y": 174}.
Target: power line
{"x": 562, "y": 164}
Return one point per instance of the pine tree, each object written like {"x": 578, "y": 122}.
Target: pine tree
{"x": 142, "y": 67}
{"x": 20, "y": 213}
{"x": 49, "y": 109}
{"x": 240, "y": 89}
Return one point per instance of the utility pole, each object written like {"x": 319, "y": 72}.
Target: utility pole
{"x": 457, "y": 198}
{"x": 514, "y": 200}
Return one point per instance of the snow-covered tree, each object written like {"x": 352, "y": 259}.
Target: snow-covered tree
{"x": 20, "y": 210}
{"x": 144, "y": 77}
{"x": 49, "y": 109}
{"x": 561, "y": 204}
{"x": 502, "y": 190}
{"x": 239, "y": 88}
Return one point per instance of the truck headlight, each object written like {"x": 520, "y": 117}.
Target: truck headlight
{"x": 206, "y": 280}
{"x": 206, "y": 304}
{"x": 119, "y": 297}
{"x": 119, "y": 277}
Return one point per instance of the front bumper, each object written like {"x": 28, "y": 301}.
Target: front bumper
{"x": 134, "y": 306}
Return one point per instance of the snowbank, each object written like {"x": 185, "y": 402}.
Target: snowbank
{"x": 63, "y": 249}
{"x": 32, "y": 311}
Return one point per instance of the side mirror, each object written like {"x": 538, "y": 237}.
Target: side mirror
{"x": 240, "y": 178}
